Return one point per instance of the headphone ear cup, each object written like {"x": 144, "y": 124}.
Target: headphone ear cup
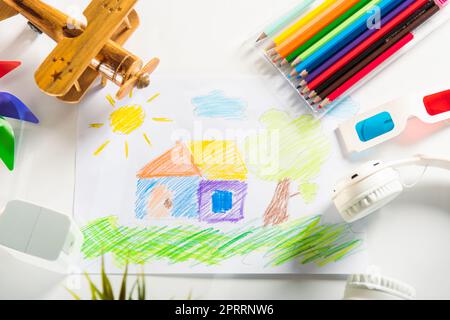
{"x": 358, "y": 200}
{"x": 376, "y": 287}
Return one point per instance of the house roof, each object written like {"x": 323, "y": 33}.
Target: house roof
{"x": 177, "y": 162}
{"x": 218, "y": 160}
{"x": 214, "y": 160}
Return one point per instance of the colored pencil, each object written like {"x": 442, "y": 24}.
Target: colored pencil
{"x": 355, "y": 15}
{"x": 369, "y": 41}
{"x": 335, "y": 81}
{"x": 367, "y": 70}
{"x": 354, "y": 53}
{"x": 340, "y": 42}
{"x": 284, "y": 21}
{"x": 301, "y": 22}
{"x": 313, "y": 27}
{"x": 345, "y": 37}
{"x": 332, "y": 26}
{"x": 306, "y": 84}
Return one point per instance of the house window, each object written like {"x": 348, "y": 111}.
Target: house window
{"x": 222, "y": 201}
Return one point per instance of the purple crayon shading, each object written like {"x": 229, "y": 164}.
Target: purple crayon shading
{"x": 221, "y": 201}
{"x": 12, "y": 107}
{"x": 173, "y": 185}
{"x": 356, "y": 42}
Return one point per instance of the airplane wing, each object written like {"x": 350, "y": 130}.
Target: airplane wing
{"x": 72, "y": 56}
{"x": 87, "y": 79}
{"x": 6, "y": 11}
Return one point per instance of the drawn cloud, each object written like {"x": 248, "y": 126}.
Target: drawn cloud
{"x": 217, "y": 105}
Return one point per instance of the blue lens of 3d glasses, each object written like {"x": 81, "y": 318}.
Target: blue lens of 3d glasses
{"x": 375, "y": 126}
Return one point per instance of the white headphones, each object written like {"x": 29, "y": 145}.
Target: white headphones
{"x": 377, "y": 287}
{"x": 374, "y": 185}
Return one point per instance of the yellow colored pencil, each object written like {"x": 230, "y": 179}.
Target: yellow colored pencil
{"x": 303, "y": 21}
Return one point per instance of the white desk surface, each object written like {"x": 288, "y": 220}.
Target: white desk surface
{"x": 408, "y": 240}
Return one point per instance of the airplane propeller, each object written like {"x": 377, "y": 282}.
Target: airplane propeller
{"x": 140, "y": 80}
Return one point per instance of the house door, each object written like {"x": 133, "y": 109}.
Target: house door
{"x": 160, "y": 202}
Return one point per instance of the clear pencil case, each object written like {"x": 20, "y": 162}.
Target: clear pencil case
{"x": 335, "y": 45}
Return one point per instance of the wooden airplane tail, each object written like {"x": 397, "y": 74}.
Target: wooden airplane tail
{"x": 6, "y": 11}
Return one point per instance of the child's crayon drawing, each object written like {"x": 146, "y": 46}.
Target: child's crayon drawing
{"x": 125, "y": 120}
{"x": 304, "y": 241}
{"x": 217, "y": 105}
{"x": 210, "y": 195}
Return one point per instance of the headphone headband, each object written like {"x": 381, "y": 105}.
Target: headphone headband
{"x": 375, "y": 184}
{"x": 422, "y": 160}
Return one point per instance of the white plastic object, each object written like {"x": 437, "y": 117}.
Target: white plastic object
{"x": 400, "y": 111}
{"x": 375, "y": 287}
{"x": 37, "y": 248}
{"x": 374, "y": 185}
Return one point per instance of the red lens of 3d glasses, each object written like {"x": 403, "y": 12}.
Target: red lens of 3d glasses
{"x": 437, "y": 103}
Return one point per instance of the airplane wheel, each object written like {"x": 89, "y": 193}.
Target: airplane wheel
{"x": 34, "y": 28}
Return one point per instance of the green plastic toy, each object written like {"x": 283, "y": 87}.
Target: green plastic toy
{"x": 7, "y": 144}
{"x": 11, "y": 107}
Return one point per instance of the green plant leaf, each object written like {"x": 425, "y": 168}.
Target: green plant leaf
{"x": 133, "y": 289}
{"x": 141, "y": 286}
{"x": 108, "y": 293}
{"x": 138, "y": 289}
{"x": 94, "y": 290}
{"x": 123, "y": 287}
{"x": 73, "y": 294}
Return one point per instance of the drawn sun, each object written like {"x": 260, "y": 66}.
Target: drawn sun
{"x": 126, "y": 120}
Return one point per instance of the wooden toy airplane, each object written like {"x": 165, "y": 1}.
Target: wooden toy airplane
{"x": 85, "y": 52}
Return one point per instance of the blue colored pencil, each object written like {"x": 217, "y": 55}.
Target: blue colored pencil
{"x": 313, "y": 75}
{"x": 344, "y": 38}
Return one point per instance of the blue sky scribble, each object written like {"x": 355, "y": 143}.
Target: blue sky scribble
{"x": 217, "y": 105}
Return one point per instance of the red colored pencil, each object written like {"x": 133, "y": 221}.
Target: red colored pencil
{"x": 368, "y": 69}
{"x": 408, "y": 26}
{"x": 366, "y": 44}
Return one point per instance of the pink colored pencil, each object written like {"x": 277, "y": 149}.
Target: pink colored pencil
{"x": 368, "y": 69}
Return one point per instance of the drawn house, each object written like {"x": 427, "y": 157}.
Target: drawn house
{"x": 204, "y": 180}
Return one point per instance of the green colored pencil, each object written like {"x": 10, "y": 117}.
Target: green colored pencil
{"x": 334, "y": 28}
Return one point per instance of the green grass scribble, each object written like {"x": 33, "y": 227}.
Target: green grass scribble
{"x": 306, "y": 240}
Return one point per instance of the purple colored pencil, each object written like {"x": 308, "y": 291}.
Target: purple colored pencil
{"x": 357, "y": 41}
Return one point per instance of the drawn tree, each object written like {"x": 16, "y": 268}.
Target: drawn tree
{"x": 289, "y": 152}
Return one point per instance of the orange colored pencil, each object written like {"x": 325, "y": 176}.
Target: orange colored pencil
{"x": 302, "y": 21}
{"x": 314, "y": 26}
